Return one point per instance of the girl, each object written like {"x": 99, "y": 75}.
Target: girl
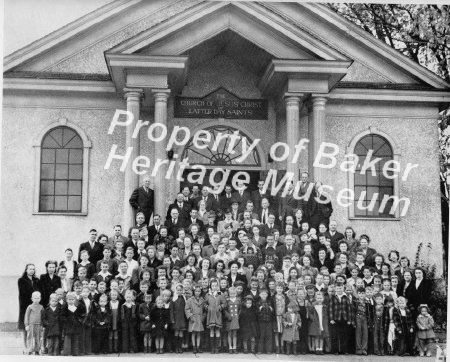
{"x": 232, "y": 314}
{"x": 160, "y": 318}
{"x": 248, "y": 324}
{"x": 179, "y": 318}
{"x": 194, "y": 313}
{"x": 303, "y": 332}
{"x": 115, "y": 307}
{"x": 33, "y": 324}
{"x": 129, "y": 317}
{"x": 145, "y": 325}
{"x": 280, "y": 309}
{"x": 291, "y": 325}
{"x": 393, "y": 258}
{"x": 219, "y": 269}
{"x": 27, "y": 283}
{"x": 191, "y": 262}
{"x": 168, "y": 304}
{"x": 425, "y": 334}
{"x": 216, "y": 304}
{"x": 318, "y": 323}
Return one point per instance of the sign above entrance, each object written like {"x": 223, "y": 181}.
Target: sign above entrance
{"x": 220, "y": 104}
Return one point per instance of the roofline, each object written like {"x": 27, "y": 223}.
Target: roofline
{"x": 60, "y": 35}
{"x": 381, "y": 47}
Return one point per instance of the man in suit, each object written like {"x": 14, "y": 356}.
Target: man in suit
{"x": 242, "y": 195}
{"x": 226, "y": 199}
{"x": 270, "y": 226}
{"x": 93, "y": 247}
{"x": 287, "y": 203}
{"x": 193, "y": 219}
{"x": 187, "y": 196}
{"x": 142, "y": 200}
{"x": 117, "y": 236}
{"x": 173, "y": 223}
{"x": 321, "y": 208}
{"x": 249, "y": 208}
{"x": 258, "y": 196}
{"x": 206, "y": 197}
{"x": 235, "y": 210}
{"x": 336, "y": 236}
{"x": 154, "y": 229}
{"x": 183, "y": 208}
{"x": 368, "y": 253}
{"x": 288, "y": 231}
{"x": 306, "y": 192}
{"x": 216, "y": 201}
{"x": 134, "y": 232}
{"x": 288, "y": 248}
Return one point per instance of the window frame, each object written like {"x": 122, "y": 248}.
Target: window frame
{"x": 37, "y": 145}
{"x": 351, "y": 176}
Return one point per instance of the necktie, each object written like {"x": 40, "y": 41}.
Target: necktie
{"x": 174, "y": 221}
{"x": 263, "y": 217}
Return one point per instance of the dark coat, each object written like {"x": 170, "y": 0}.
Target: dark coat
{"x": 183, "y": 211}
{"x": 422, "y": 294}
{"x": 173, "y": 228}
{"x": 129, "y": 322}
{"x": 26, "y": 288}
{"x": 48, "y": 286}
{"x": 239, "y": 277}
{"x": 72, "y": 321}
{"x": 248, "y": 320}
{"x": 145, "y": 311}
{"x": 160, "y": 317}
{"x": 320, "y": 212}
{"x": 101, "y": 320}
{"x": 90, "y": 270}
{"x": 51, "y": 321}
{"x": 242, "y": 199}
{"x": 143, "y": 201}
{"x": 257, "y": 197}
{"x": 314, "y": 323}
{"x": 402, "y": 326}
{"x": 179, "y": 316}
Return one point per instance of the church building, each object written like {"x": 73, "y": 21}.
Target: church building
{"x": 275, "y": 73}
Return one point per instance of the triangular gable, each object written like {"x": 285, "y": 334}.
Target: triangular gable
{"x": 285, "y": 30}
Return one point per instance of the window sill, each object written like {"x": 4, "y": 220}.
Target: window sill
{"x": 374, "y": 218}
{"x": 61, "y": 213}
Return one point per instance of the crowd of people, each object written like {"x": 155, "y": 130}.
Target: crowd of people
{"x": 237, "y": 273}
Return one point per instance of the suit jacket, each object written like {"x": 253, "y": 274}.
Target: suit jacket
{"x": 369, "y": 256}
{"x": 152, "y": 233}
{"x": 112, "y": 239}
{"x": 143, "y": 201}
{"x": 422, "y": 294}
{"x": 320, "y": 212}
{"x": 242, "y": 199}
{"x": 182, "y": 211}
{"x": 95, "y": 254}
{"x": 257, "y": 197}
{"x": 239, "y": 277}
{"x": 225, "y": 202}
{"x": 335, "y": 240}
{"x": 197, "y": 221}
{"x": 211, "y": 203}
{"x": 266, "y": 230}
{"x": 254, "y": 215}
{"x": 287, "y": 205}
{"x": 173, "y": 228}
{"x": 128, "y": 244}
{"x": 282, "y": 251}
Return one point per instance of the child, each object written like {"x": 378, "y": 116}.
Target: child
{"x": 51, "y": 321}
{"x": 404, "y": 327}
{"x": 194, "y": 313}
{"x": 101, "y": 320}
{"x": 128, "y": 318}
{"x": 379, "y": 325}
{"x": 318, "y": 323}
{"x": 72, "y": 316}
{"x": 160, "y": 318}
{"x": 303, "y": 332}
{"x": 291, "y": 326}
{"x": 179, "y": 319}
{"x": 86, "y": 325}
{"x": 265, "y": 313}
{"x": 33, "y": 324}
{"x": 280, "y": 309}
{"x": 361, "y": 319}
{"x": 232, "y": 316}
{"x": 340, "y": 319}
{"x": 115, "y": 307}
{"x": 247, "y": 323}
{"x": 215, "y": 303}
{"x": 145, "y": 325}
{"x": 90, "y": 268}
{"x": 425, "y": 334}
{"x": 390, "y": 334}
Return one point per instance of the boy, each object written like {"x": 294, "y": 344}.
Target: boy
{"x": 32, "y": 322}
{"x": 51, "y": 321}
{"x": 404, "y": 327}
{"x": 86, "y": 333}
{"x": 361, "y": 315}
{"x": 101, "y": 320}
{"x": 340, "y": 312}
{"x": 72, "y": 316}
{"x": 379, "y": 325}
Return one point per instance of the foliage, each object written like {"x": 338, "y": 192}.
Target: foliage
{"x": 420, "y": 31}
{"x": 438, "y": 300}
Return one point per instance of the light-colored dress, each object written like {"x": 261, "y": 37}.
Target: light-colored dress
{"x": 280, "y": 309}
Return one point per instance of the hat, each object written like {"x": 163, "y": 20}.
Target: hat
{"x": 235, "y": 201}
{"x": 211, "y": 214}
{"x": 423, "y": 306}
{"x": 238, "y": 283}
{"x": 263, "y": 290}
{"x": 310, "y": 286}
{"x": 303, "y": 233}
{"x": 249, "y": 297}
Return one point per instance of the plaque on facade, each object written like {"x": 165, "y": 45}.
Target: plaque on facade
{"x": 220, "y": 104}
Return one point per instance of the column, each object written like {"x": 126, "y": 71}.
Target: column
{"x": 292, "y": 132}
{"x": 161, "y": 184}
{"x": 133, "y": 97}
{"x": 318, "y": 134}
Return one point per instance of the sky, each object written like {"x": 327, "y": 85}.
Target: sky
{"x": 28, "y": 20}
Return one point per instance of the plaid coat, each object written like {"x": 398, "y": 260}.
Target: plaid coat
{"x": 368, "y": 312}
{"x": 340, "y": 311}
{"x": 399, "y": 325}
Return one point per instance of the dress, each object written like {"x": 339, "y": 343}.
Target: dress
{"x": 425, "y": 327}
{"x": 179, "y": 316}
{"x": 26, "y": 287}
{"x": 194, "y": 313}
{"x": 248, "y": 322}
{"x": 232, "y": 314}
{"x": 216, "y": 304}
{"x": 145, "y": 326}
{"x": 291, "y": 327}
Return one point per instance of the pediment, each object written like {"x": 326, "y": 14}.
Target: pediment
{"x": 202, "y": 29}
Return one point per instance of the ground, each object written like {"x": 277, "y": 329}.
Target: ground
{"x": 11, "y": 344}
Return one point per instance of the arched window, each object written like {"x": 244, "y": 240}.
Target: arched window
{"x": 61, "y": 171}
{"x": 373, "y": 187}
